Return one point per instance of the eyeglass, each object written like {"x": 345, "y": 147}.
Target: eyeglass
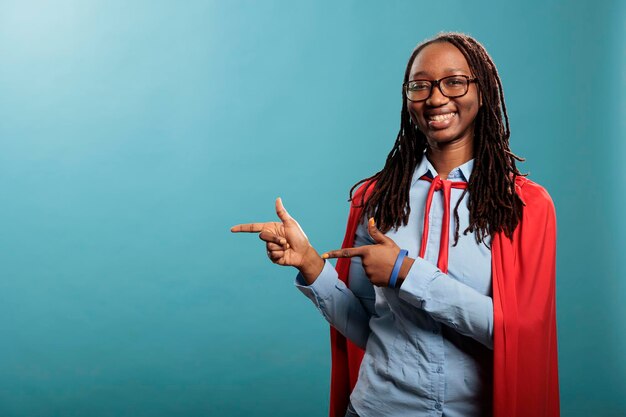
{"x": 451, "y": 87}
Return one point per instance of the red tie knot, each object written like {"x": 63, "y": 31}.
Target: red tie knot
{"x": 438, "y": 184}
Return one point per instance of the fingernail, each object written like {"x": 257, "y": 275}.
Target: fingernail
{"x": 325, "y": 256}
{"x": 372, "y": 222}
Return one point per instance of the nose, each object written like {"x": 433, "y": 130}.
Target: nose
{"x": 436, "y": 97}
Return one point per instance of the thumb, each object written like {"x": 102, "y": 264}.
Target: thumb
{"x": 281, "y": 211}
{"x": 376, "y": 234}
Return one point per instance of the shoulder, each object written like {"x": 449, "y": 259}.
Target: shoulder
{"x": 534, "y": 196}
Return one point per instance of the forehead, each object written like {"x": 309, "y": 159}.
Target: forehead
{"x": 437, "y": 60}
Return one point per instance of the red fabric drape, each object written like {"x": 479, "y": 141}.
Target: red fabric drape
{"x": 525, "y": 367}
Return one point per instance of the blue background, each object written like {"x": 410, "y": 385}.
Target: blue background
{"x": 133, "y": 134}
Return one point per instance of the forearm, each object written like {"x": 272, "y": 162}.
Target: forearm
{"x": 339, "y": 306}
{"x": 449, "y": 301}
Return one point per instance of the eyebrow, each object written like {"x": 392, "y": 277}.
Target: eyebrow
{"x": 446, "y": 70}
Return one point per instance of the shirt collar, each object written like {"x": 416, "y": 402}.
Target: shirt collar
{"x": 460, "y": 173}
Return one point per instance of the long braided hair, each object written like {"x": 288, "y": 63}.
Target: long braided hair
{"x": 493, "y": 204}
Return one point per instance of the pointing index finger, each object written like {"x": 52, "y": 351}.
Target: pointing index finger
{"x": 343, "y": 253}
{"x": 248, "y": 228}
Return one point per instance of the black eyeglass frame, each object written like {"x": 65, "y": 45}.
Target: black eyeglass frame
{"x": 437, "y": 83}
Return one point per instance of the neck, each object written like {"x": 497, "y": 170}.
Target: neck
{"x": 445, "y": 157}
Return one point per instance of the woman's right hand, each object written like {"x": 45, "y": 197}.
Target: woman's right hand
{"x": 286, "y": 243}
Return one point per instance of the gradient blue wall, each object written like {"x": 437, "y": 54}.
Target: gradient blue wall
{"x": 133, "y": 134}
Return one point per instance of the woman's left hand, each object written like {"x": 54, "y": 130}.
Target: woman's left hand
{"x": 378, "y": 259}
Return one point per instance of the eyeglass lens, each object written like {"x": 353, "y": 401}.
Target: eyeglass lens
{"x": 453, "y": 86}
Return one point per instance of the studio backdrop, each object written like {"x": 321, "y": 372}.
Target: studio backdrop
{"x": 133, "y": 134}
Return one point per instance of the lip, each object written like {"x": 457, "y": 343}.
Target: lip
{"x": 440, "y": 124}
{"x": 436, "y": 112}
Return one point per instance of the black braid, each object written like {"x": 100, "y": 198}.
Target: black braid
{"x": 493, "y": 204}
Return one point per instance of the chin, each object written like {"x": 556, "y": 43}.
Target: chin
{"x": 442, "y": 139}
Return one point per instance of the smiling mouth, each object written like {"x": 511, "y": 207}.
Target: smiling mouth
{"x": 441, "y": 117}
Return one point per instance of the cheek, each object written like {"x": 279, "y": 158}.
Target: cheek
{"x": 418, "y": 120}
{"x": 477, "y": 108}
{"x": 475, "y": 102}
{"x": 415, "y": 112}
{"x": 471, "y": 109}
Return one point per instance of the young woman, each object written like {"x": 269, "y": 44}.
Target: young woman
{"x": 445, "y": 284}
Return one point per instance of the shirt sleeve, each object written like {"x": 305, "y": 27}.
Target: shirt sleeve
{"x": 338, "y": 304}
{"x": 449, "y": 301}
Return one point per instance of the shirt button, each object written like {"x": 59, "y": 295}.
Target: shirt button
{"x": 439, "y": 369}
{"x": 438, "y": 406}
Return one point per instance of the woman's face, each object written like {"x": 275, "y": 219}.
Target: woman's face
{"x": 443, "y": 120}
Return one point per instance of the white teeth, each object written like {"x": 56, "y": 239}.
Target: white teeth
{"x": 441, "y": 117}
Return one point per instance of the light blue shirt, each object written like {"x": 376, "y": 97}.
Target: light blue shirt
{"x": 427, "y": 344}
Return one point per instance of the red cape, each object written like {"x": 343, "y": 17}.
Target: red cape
{"x": 525, "y": 367}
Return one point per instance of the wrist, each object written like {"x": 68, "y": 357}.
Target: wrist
{"x": 395, "y": 272}
{"x": 407, "y": 263}
{"x": 312, "y": 265}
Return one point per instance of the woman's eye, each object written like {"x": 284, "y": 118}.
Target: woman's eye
{"x": 419, "y": 86}
{"x": 455, "y": 82}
